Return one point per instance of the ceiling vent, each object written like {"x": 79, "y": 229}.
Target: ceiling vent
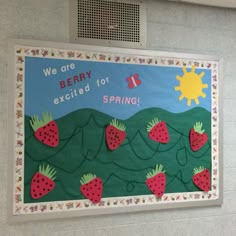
{"x": 118, "y": 23}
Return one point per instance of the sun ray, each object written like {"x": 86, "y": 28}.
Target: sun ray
{"x": 178, "y": 77}
{"x": 204, "y": 85}
{"x": 181, "y": 97}
{"x": 203, "y": 95}
{"x": 177, "y": 88}
{"x": 184, "y": 70}
{"x": 193, "y": 69}
{"x": 196, "y": 101}
{"x": 201, "y": 74}
{"x": 189, "y": 102}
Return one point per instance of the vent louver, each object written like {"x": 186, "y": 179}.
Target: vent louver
{"x": 108, "y": 23}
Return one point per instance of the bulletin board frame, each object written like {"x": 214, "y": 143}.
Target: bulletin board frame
{"x": 19, "y": 50}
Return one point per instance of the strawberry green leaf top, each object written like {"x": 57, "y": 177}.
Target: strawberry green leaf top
{"x": 198, "y": 170}
{"x": 198, "y": 128}
{"x": 118, "y": 125}
{"x": 157, "y": 170}
{"x": 36, "y": 123}
{"x": 152, "y": 123}
{"x": 87, "y": 178}
{"x": 48, "y": 171}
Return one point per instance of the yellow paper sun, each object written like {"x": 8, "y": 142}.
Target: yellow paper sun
{"x": 191, "y": 86}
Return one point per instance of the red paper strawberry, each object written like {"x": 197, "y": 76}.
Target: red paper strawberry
{"x": 115, "y": 134}
{"x": 45, "y": 130}
{"x": 91, "y": 187}
{"x": 42, "y": 182}
{"x": 158, "y": 131}
{"x": 201, "y": 178}
{"x": 197, "y": 137}
{"x": 156, "y": 181}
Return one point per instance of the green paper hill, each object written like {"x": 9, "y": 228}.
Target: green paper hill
{"x": 82, "y": 149}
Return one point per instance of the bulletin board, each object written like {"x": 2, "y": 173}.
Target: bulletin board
{"x": 103, "y": 130}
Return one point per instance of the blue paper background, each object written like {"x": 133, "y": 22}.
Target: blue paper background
{"x": 156, "y": 90}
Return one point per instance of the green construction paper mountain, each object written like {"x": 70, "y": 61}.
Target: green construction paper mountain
{"x": 82, "y": 149}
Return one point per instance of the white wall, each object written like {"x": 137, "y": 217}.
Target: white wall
{"x": 171, "y": 27}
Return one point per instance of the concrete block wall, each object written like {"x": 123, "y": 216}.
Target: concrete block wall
{"x": 170, "y": 27}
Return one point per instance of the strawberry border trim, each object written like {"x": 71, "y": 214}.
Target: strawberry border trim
{"x": 20, "y": 208}
{"x": 142, "y": 200}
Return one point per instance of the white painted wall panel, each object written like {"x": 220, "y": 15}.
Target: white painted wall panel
{"x": 171, "y": 27}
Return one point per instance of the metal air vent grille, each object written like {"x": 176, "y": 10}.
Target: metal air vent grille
{"x": 108, "y": 22}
